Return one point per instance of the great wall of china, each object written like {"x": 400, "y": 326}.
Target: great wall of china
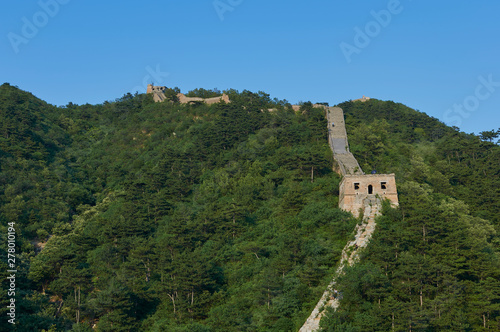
{"x": 359, "y": 193}
{"x": 159, "y": 96}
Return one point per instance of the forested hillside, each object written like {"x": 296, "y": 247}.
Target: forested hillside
{"x": 137, "y": 216}
{"x": 140, "y": 216}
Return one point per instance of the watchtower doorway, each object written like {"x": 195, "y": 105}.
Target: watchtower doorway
{"x": 370, "y": 189}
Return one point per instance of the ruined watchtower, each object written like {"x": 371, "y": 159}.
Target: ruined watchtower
{"x": 354, "y": 189}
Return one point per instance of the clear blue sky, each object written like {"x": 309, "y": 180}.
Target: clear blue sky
{"x": 426, "y": 54}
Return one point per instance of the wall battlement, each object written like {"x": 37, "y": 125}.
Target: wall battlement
{"x": 186, "y": 100}
{"x": 159, "y": 96}
{"x": 158, "y": 93}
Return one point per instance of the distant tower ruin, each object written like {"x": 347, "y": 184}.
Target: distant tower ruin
{"x": 157, "y": 91}
{"x": 363, "y": 99}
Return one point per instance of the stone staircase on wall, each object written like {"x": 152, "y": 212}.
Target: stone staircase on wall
{"x": 337, "y": 137}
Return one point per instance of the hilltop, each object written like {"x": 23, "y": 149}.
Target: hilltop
{"x": 144, "y": 216}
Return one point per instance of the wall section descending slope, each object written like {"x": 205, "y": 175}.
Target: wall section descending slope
{"x": 359, "y": 193}
{"x": 337, "y": 138}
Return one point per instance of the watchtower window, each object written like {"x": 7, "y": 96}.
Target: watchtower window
{"x": 370, "y": 189}
{"x": 356, "y": 186}
{"x": 383, "y": 185}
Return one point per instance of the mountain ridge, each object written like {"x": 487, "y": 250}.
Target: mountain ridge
{"x": 210, "y": 217}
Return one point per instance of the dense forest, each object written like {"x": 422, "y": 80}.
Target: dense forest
{"x": 140, "y": 216}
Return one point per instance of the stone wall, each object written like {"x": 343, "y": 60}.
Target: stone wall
{"x": 159, "y": 96}
{"x": 186, "y": 100}
{"x": 296, "y": 108}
